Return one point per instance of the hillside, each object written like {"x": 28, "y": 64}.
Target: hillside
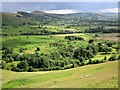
{"x": 21, "y": 18}
{"x": 15, "y": 19}
{"x": 103, "y": 75}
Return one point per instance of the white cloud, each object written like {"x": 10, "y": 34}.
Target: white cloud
{"x": 62, "y": 11}
{"x": 110, "y": 10}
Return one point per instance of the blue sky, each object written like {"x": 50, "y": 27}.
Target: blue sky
{"x": 60, "y": 7}
{"x": 60, "y": 0}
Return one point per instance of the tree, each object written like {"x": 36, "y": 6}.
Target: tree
{"x": 77, "y": 62}
{"x": 91, "y": 41}
{"x": 51, "y": 63}
{"x": 105, "y": 58}
{"x": 78, "y": 52}
{"x": 90, "y": 61}
{"x": 14, "y": 68}
{"x": 21, "y": 49}
{"x": 55, "y": 55}
{"x": 62, "y": 64}
{"x": 99, "y": 44}
{"x": 96, "y": 35}
{"x": 104, "y": 48}
{"x": 38, "y": 49}
{"x": 30, "y": 69}
{"x": 23, "y": 65}
{"x": 92, "y": 48}
{"x": 81, "y": 59}
{"x": 8, "y": 50}
{"x": 33, "y": 62}
{"x": 109, "y": 44}
{"x": 5, "y": 66}
{"x": 89, "y": 54}
{"x": 11, "y": 59}
{"x": 118, "y": 57}
{"x": 112, "y": 58}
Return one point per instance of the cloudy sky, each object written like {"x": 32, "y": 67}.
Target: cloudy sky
{"x": 61, "y": 7}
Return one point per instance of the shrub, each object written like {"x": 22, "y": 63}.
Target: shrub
{"x": 91, "y": 41}
{"x": 77, "y": 62}
{"x": 22, "y": 65}
{"x": 105, "y": 58}
{"x": 57, "y": 68}
{"x": 73, "y": 38}
{"x": 7, "y": 59}
{"x": 55, "y": 55}
{"x": 96, "y": 35}
{"x": 109, "y": 44}
{"x": 8, "y": 50}
{"x": 83, "y": 63}
{"x": 90, "y": 61}
{"x": 68, "y": 66}
{"x": 30, "y": 69}
{"x": 98, "y": 61}
{"x": 118, "y": 57}
{"x": 81, "y": 59}
{"x": 22, "y": 49}
{"x": 14, "y": 68}
{"x": 5, "y": 66}
{"x": 62, "y": 64}
{"x": 51, "y": 63}
{"x": 112, "y": 58}
{"x": 38, "y": 49}
{"x": 104, "y": 48}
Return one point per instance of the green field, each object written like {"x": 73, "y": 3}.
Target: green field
{"x": 103, "y": 75}
{"x": 31, "y": 42}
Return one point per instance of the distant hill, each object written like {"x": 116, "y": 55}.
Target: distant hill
{"x": 15, "y": 19}
{"x": 21, "y": 18}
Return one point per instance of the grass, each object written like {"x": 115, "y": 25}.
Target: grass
{"x": 110, "y": 37}
{"x": 11, "y": 30}
{"x": 11, "y": 19}
{"x": 104, "y": 75}
{"x": 32, "y": 42}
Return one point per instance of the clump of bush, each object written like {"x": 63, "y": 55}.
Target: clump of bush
{"x": 113, "y": 58}
{"x": 73, "y": 38}
{"x": 22, "y": 49}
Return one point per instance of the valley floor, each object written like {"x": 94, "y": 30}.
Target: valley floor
{"x": 104, "y": 75}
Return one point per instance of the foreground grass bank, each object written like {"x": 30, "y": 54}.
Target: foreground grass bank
{"x": 104, "y": 75}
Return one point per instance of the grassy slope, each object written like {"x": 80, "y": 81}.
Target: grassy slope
{"x": 11, "y": 19}
{"x": 103, "y": 75}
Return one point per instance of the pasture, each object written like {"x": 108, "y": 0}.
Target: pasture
{"x": 103, "y": 75}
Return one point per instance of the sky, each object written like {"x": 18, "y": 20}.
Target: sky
{"x": 61, "y": 7}
{"x": 59, "y": 0}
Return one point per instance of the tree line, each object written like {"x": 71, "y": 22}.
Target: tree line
{"x": 102, "y": 30}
